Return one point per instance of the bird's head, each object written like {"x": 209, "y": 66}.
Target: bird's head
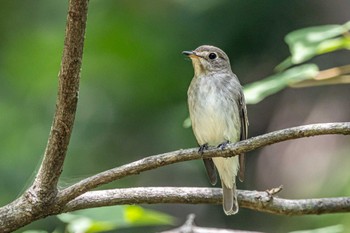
{"x": 208, "y": 59}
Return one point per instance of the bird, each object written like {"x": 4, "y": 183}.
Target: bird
{"x": 218, "y": 115}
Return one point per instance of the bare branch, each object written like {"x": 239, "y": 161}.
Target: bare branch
{"x": 255, "y": 200}
{"x": 43, "y": 199}
{"x": 155, "y": 161}
{"x": 149, "y": 195}
{"x": 34, "y": 203}
{"x": 45, "y": 183}
{"x": 264, "y": 202}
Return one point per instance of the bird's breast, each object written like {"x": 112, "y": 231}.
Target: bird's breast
{"x": 213, "y": 112}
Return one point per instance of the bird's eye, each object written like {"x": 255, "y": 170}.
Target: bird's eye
{"x": 212, "y": 56}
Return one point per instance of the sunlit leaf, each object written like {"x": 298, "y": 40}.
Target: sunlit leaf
{"x": 333, "y": 45}
{"x": 67, "y": 218}
{"x": 315, "y": 34}
{"x": 80, "y": 225}
{"x": 93, "y": 220}
{"x": 257, "y": 91}
{"x": 309, "y": 42}
{"x": 139, "y": 216}
{"x": 113, "y": 217}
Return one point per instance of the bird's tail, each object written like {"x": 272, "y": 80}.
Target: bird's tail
{"x": 229, "y": 199}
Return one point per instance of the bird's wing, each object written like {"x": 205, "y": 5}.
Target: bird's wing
{"x": 244, "y": 132}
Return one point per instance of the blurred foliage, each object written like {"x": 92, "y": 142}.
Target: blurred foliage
{"x": 110, "y": 218}
{"x": 304, "y": 44}
{"x": 259, "y": 90}
{"x": 132, "y": 100}
{"x": 307, "y": 43}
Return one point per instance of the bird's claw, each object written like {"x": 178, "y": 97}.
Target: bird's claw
{"x": 223, "y": 145}
{"x": 202, "y": 148}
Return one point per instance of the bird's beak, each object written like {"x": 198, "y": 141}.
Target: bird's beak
{"x": 190, "y": 53}
{"x": 196, "y": 62}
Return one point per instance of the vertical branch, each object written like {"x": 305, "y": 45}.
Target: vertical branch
{"x": 45, "y": 184}
{"x": 38, "y": 201}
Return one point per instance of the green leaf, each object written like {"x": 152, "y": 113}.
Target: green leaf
{"x": 110, "y": 218}
{"x": 82, "y": 224}
{"x": 307, "y": 43}
{"x": 333, "y": 45}
{"x": 285, "y": 64}
{"x": 187, "y": 123}
{"x": 257, "y": 91}
{"x": 137, "y": 215}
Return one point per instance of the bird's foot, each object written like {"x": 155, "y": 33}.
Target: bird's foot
{"x": 202, "y": 148}
{"x": 223, "y": 145}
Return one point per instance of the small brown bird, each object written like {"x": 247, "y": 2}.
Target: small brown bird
{"x": 218, "y": 114}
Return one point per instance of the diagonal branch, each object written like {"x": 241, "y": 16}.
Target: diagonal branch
{"x": 255, "y": 200}
{"x": 155, "y": 161}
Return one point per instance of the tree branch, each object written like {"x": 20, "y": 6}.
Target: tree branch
{"x": 155, "y": 161}
{"x": 43, "y": 199}
{"x": 45, "y": 183}
{"x": 255, "y": 200}
{"x": 37, "y": 200}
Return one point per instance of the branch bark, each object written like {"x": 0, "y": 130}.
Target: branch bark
{"x": 25, "y": 209}
{"x": 36, "y": 202}
{"x": 155, "y": 161}
{"x": 45, "y": 183}
{"x": 255, "y": 200}
{"x": 43, "y": 199}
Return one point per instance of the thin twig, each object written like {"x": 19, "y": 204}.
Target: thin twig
{"x": 155, "y": 161}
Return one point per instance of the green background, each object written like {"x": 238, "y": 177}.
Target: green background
{"x": 132, "y": 101}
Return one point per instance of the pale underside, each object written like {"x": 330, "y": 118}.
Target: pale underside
{"x": 215, "y": 119}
